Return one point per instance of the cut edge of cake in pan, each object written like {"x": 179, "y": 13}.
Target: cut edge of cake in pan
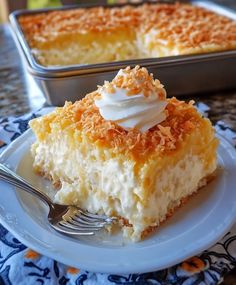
{"x": 125, "y": 150}
{"x": 95, "y": 35}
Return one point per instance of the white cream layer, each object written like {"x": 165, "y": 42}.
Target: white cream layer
{"x": 110, "y": 185}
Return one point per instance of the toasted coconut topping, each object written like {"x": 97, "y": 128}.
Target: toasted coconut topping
{"x": 84, "y": 116}
{"x": 47, "y": 26}
{"x": 136, "y": 81}
{"x": 177, "y": 23}
{"x": 189, "y": 25}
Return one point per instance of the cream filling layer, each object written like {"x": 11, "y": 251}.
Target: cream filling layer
{"x": 110, "y": 186}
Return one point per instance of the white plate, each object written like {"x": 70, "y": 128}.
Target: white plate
{"x": 194, "y": 227}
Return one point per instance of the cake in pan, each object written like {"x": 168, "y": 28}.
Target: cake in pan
{"x": 95, "y": 35}
{"x": 125, "y": 150}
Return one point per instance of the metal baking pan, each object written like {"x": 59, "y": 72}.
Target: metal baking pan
{"x": 181, "y": 75}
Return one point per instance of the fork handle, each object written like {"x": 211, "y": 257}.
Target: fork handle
{"x": 11, "y": 177}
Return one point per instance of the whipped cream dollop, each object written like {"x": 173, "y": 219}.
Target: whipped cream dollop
{"x": 133, "y": 99}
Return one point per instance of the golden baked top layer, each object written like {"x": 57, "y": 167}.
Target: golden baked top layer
{"x": 189, "y": 25}
{"x": 48, "y": 25}
{"x": 83, "y": 118}
{"x": 178, "y": 23}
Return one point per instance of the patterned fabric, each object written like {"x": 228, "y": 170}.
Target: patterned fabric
{"x": 20, "y": 265}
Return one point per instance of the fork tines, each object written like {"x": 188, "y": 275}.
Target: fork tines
{"x": 82, "y": 223}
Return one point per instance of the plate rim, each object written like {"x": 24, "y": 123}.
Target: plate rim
{"x": 112, "y": 268}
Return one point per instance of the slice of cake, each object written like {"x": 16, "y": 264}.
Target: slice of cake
{"x": 126, "y": 151}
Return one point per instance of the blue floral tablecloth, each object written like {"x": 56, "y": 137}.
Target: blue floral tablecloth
{"x": 19, "y": 265}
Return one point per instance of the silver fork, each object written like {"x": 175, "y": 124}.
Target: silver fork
{"x": 63, "y": 218}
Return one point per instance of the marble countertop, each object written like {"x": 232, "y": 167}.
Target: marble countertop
{"x": 19, "y": 93}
